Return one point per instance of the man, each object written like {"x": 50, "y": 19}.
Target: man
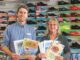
{"x": 18, "y": 31}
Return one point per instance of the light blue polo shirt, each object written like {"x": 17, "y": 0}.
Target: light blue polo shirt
{"x": 17, "y": 32}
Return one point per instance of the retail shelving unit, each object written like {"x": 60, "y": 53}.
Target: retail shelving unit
{"x": 69, "y": 14}
{"x": 39, "y": 13}
{"x": 7, "y": 14}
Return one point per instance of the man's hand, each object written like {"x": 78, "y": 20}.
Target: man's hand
{"x": 15, "y": 57}
{"x": 31, "y": 57}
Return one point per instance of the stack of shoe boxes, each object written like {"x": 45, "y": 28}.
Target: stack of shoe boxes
{"x": 3, "y": 22}
{"x": 32, "y": 17}
{"x": 11, "y": 16}
{"x": 39, "y": 14}
{"x": 69, "y": 13}
{"x": 7, "y": 14}
{"x": 6, "y": 18}
{"x": 41, "y": 17}
{"x": 38, "y": 17}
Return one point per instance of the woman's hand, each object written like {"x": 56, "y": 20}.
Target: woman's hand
{"x": 15, "y": 57}
{"x": 42, "y": 55}
{"x": 55, "y": 49}
{"x": 59, "y": 58}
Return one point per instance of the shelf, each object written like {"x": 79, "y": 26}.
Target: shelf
{"x": 41, "y": 24}
{"x": 41, "y": 30}
{"x": 70, "y": 18}
{"x": 11, "y": 19}
{"x": 1, "y": 20}
{"x": 69, "y": 11}
{"x": 65, "y": 5}
{"x": 3, "y": 25}
{"x": 75, "y": 30}
{"x": 32, "y": 24}
{"x": 32, "y": 8}
{"x": 10, "y": 1}
{"x": 70, "y": 5}
{"x": 39, "y": 36}
{"x": 75, "y": 50}
{"x": 32, "y": 18}
{"x": 75, "y": 23}
{"x": 54, "y": 11}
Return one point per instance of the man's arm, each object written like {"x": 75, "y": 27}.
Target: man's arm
{"x": 5, "y": 42}
{"x": 6, "y": 50}
{"x": 4, "y": 46}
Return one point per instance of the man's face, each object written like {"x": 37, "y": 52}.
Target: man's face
{"x": 53, "y": 27}
{"x": 22, "y": 14}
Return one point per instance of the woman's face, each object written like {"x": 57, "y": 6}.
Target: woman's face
{"x": 22, "y": 14}
{"x": 53, "y": 27}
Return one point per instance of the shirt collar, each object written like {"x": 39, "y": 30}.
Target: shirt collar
{"x": 48, "y": 37}
{"x": 20, "y": 24}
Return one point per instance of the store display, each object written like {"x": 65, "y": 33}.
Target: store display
{"x": 75, "y": 33}
{"x": 51, "y": 9}
{"x": 64, "y": 9}
{"x": 64, "y": 15}
{"x": 31, "y": 22}
{"x": 75, "y": 45}
{"x": 62, "y": 2}
{"x": 7, "y": 16}
{"x": 74, "y": 7}
{"x": 30, "y": 5}
{"x": 69, "y": 18}
{"x": 41, "y": 18}
{"x": 75, "y": 27}
{"x": 41, "y": 4}
{"x": 67, "y": 13}
{"x": 75, "y": 14}
{"x": 31, "y": 11}
{"x": 75, "y": 1}
{"x": 3, "y": 22}
{"x": 70, "y": 27}
{"x": 41, "y": 28}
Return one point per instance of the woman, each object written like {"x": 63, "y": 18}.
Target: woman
{"x": 18, "y": 31}
{"x": 54, "y": 34}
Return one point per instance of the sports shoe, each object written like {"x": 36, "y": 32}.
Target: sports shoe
{"x": 62, "y": 2}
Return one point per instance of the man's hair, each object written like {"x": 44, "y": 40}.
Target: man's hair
{"x": 22, "y": 6}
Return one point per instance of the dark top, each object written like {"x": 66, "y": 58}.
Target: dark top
{"x": 63, "y": 41}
